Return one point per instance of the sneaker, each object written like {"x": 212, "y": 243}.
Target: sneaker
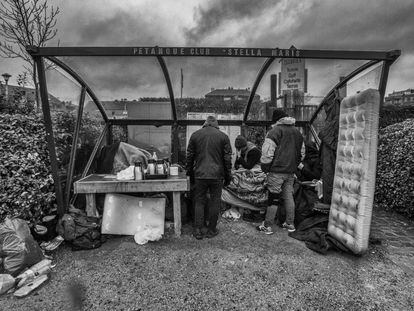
{"x": 212, "y": 233}
{"x": 290, "y": 228}
{"x": 264, "y": 229}
{"x": 198, "y": 234}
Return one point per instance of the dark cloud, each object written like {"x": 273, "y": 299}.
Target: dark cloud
{"x": 210, "y": 18}
{"x": 334, "y": 24}
{"x": 122, "y": 28}
{"x": 364, "y": 25}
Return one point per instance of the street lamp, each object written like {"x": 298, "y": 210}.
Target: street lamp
{"x": 6, "y": 77}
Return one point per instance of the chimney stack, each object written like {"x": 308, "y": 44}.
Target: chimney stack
{"x": 273, "y": 88}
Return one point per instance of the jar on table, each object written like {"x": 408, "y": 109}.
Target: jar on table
{"x": 160, "y": 170}
{"x": 151, "y": 167}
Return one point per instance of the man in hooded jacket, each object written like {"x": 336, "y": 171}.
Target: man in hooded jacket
{"x": 208, "y": 164}
{"x": 281, "y": 155}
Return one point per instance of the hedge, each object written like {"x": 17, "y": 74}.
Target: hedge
{"x": 395, "y": 168}
{"x": 26, "y": 185}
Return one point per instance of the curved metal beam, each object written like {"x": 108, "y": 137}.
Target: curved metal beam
{"x": 170, "y": 89}
{"x": 340, "y": 84}
{"x": 82, "y": 82}
{"x": 259, "y": 77}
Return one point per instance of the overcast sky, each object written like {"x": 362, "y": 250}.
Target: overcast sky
{"x": 329, "y": 24}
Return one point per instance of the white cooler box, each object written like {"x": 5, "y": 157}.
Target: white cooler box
{"x": 123, "y": 214}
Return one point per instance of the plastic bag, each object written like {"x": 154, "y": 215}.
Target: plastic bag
{"x": 17, "y": 247}
{"x": 231, "y": 214}
{"x": 147, "y": 233}
{"x": 6, "y": 282}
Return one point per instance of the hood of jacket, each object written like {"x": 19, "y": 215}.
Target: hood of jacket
{"x": 285, "y": 121}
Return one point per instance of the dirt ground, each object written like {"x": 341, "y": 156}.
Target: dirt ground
{"x": 240, "y": 269}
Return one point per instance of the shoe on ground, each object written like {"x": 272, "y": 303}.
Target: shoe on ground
{"x": 264, "y": 229}
{"x": 289, "y": 227}
{"x": 211, "y": 233}
{"x": 198, "y": 234}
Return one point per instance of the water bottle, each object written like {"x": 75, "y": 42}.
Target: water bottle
{"x": 42, "y": 267}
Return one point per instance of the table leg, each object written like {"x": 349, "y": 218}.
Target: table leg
{"x": 177, "y": 212}
{"x": 91, "y": 205}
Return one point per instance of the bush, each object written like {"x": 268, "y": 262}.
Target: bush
{"x": 395, "y": 168}
{"x": 26, "y": 186}
{"x": 391, "y": 114}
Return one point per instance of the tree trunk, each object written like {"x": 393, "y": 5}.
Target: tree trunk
{"x": 36, "y": 87}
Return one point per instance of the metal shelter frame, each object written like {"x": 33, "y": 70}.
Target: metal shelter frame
{"x": 270, "y": 54}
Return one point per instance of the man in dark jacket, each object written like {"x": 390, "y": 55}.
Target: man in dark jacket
{"x": 281, "y": 155}
{"x": 248, "y": 155}
{"x": 208, "y": 165}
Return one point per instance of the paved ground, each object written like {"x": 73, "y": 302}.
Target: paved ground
{"x": 397, "y": 234}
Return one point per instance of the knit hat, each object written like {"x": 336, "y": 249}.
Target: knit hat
{"x": 278, "y": 114}
{"x": 211, "y": 121}
{"x": 240, "y": 142}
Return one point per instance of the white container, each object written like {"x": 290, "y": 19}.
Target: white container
{"x": 173, "y": 170}
{"x": 124, "y": 214}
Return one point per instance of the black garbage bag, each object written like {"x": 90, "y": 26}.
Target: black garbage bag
{"x": 18, "y": 249}
{"x": 80, "y": 230}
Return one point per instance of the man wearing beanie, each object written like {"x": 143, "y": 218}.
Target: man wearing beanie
{"x": 208, "y": 164}
{"x": 248, "y": 155}
{"x": 281, "y": 155}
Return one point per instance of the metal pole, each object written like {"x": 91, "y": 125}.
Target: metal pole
{"x": 170, "y": 89}
{"x": 383, "y": 82}
{"x": 259, "y": 77}
{"x": 49, "y": 133}
{"x": 74, "y": 147}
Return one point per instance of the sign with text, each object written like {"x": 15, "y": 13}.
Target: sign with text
{"x": 293, "y": 75}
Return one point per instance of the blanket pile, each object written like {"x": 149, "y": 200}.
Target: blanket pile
{"x": 249, "y": 186}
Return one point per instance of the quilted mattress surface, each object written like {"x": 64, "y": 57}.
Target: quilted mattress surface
{"x": 354, "y": 181}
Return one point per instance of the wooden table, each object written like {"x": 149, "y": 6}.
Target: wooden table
{"x": 101, "y": 183}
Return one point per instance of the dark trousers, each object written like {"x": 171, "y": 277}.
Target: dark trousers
{"x": 201, "y": 187}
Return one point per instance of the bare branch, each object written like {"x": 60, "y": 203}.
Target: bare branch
{"x": 23, "y": 23}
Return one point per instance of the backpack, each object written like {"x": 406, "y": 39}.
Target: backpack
{"x": 81, "y": 231}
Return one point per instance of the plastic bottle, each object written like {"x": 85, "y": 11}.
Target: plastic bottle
{"x": 42, "y": 267}
{"x": 167, "y": 166}
{"x": 38, "y": 266}
{"x": 154, "y": 156}
{"x": 33, "y": 274}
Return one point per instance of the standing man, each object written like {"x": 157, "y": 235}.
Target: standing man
{"x": 281, "y": 155}
{"x": 208, "y": 164}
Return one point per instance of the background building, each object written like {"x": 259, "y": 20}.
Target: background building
{"x": 25, "y": 95}
{"x": 405, "y": 97}
{"x": 231, "y": 94}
